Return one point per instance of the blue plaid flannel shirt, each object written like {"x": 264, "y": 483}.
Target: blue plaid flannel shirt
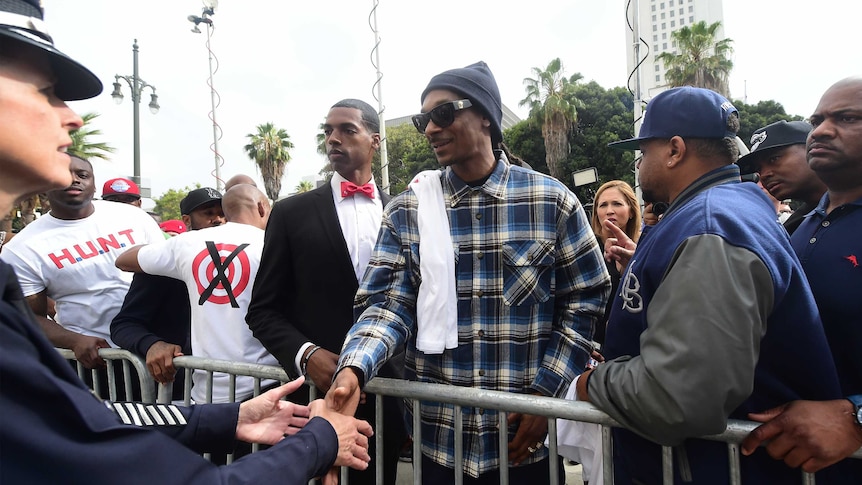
{"x": 531, "y": 286}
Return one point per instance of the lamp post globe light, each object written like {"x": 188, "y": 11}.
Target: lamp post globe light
{"x": 137, "y": 86}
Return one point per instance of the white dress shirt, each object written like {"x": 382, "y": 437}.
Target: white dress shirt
{"x": 359, "y": 218}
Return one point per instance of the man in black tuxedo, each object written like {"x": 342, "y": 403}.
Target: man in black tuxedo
{"x": 316, "y": 248}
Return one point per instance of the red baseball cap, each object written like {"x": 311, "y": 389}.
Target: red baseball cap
{"x": 120, "y": 186}
{"x": 173, "y": 225}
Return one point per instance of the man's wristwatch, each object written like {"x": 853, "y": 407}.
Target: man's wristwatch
{"x": 856, "y": 399}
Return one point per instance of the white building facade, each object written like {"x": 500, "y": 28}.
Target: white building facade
{"x": 657, "y": 20}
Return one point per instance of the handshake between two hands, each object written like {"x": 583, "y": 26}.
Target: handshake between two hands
{"x": 268, "y": 419}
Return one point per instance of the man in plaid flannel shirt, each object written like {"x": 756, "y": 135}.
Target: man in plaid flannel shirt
{"x": 528, "y": 275}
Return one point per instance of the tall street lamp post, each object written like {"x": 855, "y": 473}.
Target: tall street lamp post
{"x": 137, "y": 85}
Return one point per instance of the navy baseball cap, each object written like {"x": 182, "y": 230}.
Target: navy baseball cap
{"x": 22, "y": 20}
{"x": 687, "y": 112}
{"x": 776, "y": 135}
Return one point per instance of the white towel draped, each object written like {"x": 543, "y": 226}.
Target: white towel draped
{"x": 437, "y": 302}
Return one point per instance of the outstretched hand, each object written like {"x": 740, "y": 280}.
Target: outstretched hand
{"x": 267, "y": 419}
{"x": 344, "y": 393}
{"x": 810, "y": 434}
{"x": 342, "y": 400}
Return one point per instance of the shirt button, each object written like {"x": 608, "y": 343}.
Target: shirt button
{"x": 481, "y": 372}
{"x": 812, "y": 240}
{"x": 480, "y": 333}
{"x": 478, "y": 216}
{"x": 481, "y": 412}
{"x": 480, "y": 293}
{"x": 480, "y": 255}
{"x": 825, "y": 224}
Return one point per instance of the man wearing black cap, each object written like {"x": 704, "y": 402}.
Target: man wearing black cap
{"x": 515, "y": 313}
{"x": 778, "y": 155}
{"x": 829, "y": 244}
{"x": 201, "y": 208}
{"x": 154, "y": 321}
{"x": 52, "y": 429}
{"x": 712, "y": 309}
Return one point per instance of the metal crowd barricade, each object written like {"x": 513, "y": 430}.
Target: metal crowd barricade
{"x": 414, "y": 392}
{"x": 145, "y": 382}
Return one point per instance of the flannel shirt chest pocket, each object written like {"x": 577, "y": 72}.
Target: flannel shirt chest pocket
{"x": 528, "y": 268}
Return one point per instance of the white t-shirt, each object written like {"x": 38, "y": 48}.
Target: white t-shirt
{"x": 219, "y": 294}
{"x": 73, "y": 261}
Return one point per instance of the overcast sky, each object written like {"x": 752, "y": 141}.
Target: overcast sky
{"x": 287, "y": 62}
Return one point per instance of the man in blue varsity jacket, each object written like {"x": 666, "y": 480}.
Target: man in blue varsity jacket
{"x": 52, "y": 428}
{"x": 714, "y": 316}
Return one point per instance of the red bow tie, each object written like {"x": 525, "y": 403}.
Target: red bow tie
{"x": 349, "y": 188}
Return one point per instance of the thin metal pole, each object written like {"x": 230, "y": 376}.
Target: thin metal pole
{"x": 384, "y": 152}
{"x": 219, "y": 183}
{"x": 636, "y": 39}
{"x": 136, "y": 109}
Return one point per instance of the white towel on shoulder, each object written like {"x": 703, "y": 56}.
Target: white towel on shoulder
{"x": 437, "y": 302}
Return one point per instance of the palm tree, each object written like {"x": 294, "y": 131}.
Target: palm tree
{"x": 270, "y": 150}
{"x": 553, "y": 104}
{"x": 304, "y": 186}
{"x": 702, "y": 61}
{"x": 83, "y": 147}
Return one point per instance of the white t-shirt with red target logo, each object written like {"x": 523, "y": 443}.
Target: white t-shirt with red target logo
{"x": 218, "y": 266}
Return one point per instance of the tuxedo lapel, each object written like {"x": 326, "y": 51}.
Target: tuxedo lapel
{"x": 325, "y": 206}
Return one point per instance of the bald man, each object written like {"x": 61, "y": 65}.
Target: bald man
{"x": 237, "y": 179}
{"x": 218, "y": 297}
{"x": 246, "y": 204}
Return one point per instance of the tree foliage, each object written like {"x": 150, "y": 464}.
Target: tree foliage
{"x": 168, "y": 205}
{"x": 702, "y": 61}
{"x": 554, "y": 107}
{"x": 269, "y": 148}
{"x": 304, "y": 186}
{"x": 605, "y": 116}
{"x": 408, "y": 153}
{"x": 83, "y": 145}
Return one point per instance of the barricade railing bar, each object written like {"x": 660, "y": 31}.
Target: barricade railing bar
{"x": 414, "y": 392}
{"x": 146, "y": 384}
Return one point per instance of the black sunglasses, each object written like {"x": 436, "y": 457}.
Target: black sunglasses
{"x": 442, "y": 116}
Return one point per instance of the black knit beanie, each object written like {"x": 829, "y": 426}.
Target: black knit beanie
{"x": 476, "y": 83}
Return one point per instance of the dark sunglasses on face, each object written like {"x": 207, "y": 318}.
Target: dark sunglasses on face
{"x": 442, "y": 115}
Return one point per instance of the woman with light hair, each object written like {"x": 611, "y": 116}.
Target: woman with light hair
{"x": 615, "y": 201}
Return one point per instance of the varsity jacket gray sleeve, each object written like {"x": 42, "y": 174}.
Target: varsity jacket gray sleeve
{"x": 699, "y": 350}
